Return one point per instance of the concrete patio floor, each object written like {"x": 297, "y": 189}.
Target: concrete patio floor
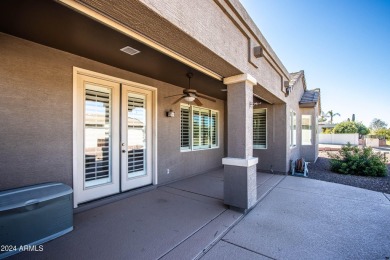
{"x": 296, "y": 218}
{"x": 309, "y": 219}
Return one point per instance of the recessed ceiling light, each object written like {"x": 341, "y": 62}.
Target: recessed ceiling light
{"x": 130, "y": 51}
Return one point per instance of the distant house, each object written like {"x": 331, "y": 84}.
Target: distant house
{"x": 322, "y": 126}
{"x": 86, "y": 87}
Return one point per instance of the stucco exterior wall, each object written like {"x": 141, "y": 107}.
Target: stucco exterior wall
{"x": 223, "y": 31}
{"x": 310, "y": 152}
{"x": 213, "y": 30}
{"x": 196, "y": 28}
{"x": 294, "y": 152}
{"x": 36, "y": 114}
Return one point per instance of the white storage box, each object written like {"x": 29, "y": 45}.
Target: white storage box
{"x": 33, "y": 215}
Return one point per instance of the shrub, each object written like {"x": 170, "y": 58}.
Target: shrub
{"x": 383, "y": 132}
{"x": 358, "y": 161}
{"x": 327, "y": 130}
{"x": 346, "y": 127}
{"x": 362, "y": 129}
{"x": 351, "y": 127}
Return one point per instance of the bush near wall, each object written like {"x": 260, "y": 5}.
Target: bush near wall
{"x": 358, "y": 161}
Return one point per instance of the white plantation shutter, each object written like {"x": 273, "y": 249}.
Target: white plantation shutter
{"x": 214, "y": 129}
{"x": 205, "y": 128}
{"x": 196, "y": 128}
{"x": 199, "y": 128}
{"x": 259, "y": 128}
{"x": 185, "y": 141}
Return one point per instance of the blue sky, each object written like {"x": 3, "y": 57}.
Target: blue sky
{"x": 342, "y": 45}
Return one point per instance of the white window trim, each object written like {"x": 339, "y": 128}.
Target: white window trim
{"x": 200, "y": 148}
{"x": 256, "y": 147}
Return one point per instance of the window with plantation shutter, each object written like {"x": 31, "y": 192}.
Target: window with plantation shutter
{"x": 259, "y": 128}
{"x": 214, "y": 132}
{"x": 205, "y": 128}
{"x": 196, "y": 128}
{"x": 199, "y": 128}
{"x": 185, "y": 128}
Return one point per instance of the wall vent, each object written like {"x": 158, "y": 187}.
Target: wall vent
{"x": 130, "y": 51}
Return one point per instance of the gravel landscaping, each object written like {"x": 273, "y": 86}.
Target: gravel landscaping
{"x": 320, "y": 171}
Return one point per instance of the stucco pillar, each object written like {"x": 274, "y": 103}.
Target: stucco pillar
{"x": 240, "y": 189}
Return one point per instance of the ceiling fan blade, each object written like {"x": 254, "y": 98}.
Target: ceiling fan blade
{"x": 178, "y": 100}
{"x": 197, "y": 101}
{"x": 211, "y": 99}
{"x": 173, "y": 96}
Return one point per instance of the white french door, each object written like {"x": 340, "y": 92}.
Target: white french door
{"x": 136, "y": 146}
{"x": 113, "y": 143}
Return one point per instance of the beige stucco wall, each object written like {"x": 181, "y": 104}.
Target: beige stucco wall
{"x": 310, "y": 152}
{"x": 222, "y": 30}
{"x": 294, "y": 152}
{"x": 36, "y": 117}
{"x": 218, "y": 35}
{"x": 206, "y": 22}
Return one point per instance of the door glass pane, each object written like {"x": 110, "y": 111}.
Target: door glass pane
{"x": 136, "y": 135}
{"x": 97, "y": 132}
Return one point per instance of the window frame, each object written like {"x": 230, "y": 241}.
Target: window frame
{"x": 258, "y": 147}
{"x": 310, "y": 129}
{"x": 293, "y": 129}
{"x": 211, "y": 112}
{"x": 186, "y": 148}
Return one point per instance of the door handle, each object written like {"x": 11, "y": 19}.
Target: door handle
{"x": 123, "y": 151}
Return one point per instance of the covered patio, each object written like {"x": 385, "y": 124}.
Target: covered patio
{"x": 174, "y": 221}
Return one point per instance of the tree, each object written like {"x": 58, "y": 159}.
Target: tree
{"x": 362, "y": 129}
{"x": 322, "y": 117}
{"x": 383, "y": 132}
{"x": 331, "y": 114}
{"x": 350, "y": 127}
{"x": 346, "y": 127}
{"x": 353, "y": 117}
{"x": 377, "y": 124}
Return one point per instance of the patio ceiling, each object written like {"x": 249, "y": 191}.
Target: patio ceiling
{"x": 54, "y": 25}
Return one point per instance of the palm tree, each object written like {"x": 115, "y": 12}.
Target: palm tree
{"x": 322, "y": 117}
{"x": 331, "y": 114}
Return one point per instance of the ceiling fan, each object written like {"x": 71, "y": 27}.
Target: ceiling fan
{"x": 190, "y": 95}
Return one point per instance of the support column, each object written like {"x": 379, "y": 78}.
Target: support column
{"x": 240, "y": 185}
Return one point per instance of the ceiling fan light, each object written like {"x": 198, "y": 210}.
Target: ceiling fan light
{"x": 189, "y": 99}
